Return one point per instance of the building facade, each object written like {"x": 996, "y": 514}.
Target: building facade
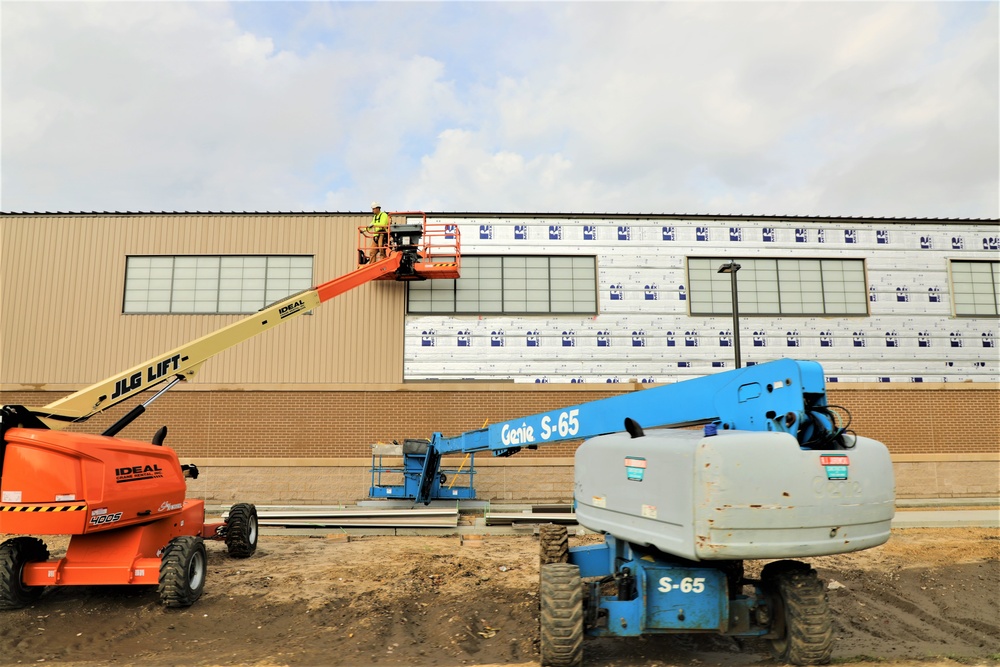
{"x": 551, "y": 310}
{"x": 872, "y": 300}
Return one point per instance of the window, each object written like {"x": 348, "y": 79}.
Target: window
{"x": 779, "y": 287}
{"x": 975, "y": 288}
{"x": 212, "y": 284}
{"x": 522, "y": 285}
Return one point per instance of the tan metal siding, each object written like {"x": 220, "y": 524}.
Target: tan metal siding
{"x": 62, "y": 281}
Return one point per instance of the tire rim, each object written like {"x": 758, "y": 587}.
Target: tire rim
{"x": 196, "y": 571}
{"x": 252, "y": 533}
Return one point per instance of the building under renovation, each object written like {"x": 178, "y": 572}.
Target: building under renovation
{"x": 550, "y": 310}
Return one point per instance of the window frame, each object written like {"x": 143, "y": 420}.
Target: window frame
{"x": 980, "y": 298}
{"x": 226, "y": 279}
{"x": 801, "y": 278}
{"x": 501, "y": 280}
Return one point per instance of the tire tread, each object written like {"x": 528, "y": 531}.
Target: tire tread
{"x": 175, "y": 587}
{"x": 241, "y": 523}
{"x": 553, "y": 542}
{"x": 808, "y": 621}
{"x": 561, "y": 617}
{"x": 14, "y": 554}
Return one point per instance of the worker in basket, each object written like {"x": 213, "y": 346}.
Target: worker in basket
{"x": 378, "y": 231}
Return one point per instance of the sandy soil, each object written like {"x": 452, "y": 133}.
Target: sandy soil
{"x": 928, "y": 597}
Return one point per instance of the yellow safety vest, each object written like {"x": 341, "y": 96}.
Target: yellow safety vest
{"x": 380, "y": 222}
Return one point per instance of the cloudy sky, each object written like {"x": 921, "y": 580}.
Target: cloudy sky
{"x": 787, "y": 108}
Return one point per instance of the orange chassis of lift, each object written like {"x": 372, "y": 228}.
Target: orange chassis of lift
{"x": 131, "y": 504}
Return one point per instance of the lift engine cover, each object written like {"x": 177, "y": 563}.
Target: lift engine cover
{"x": 736, "y": 495}
{"x": 54, "y": 483}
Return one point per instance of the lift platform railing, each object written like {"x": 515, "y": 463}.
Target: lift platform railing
{"x": 396, "y": 476}
{"x": 438, "y": 246}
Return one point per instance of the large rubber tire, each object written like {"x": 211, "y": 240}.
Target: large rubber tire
{"x": 15, "y": 553}
{"x": 241, "y": 530}
{"x": 802, "y": 614}
{"x": 182, "y": 571}
{"x": 553, "y": 542}
{"x": 561, "y": 618}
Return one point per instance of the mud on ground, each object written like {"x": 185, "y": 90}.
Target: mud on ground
{"x": 927, "y": 597}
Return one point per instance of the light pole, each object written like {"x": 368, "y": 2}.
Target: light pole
{"x": 731, "y": 268}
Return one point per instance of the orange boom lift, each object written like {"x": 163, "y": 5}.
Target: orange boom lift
{"x": 122, "y": 501}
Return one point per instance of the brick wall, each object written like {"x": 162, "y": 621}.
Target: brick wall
{"x": 944, "y": 438}
{"x": 320, "y": 484}
{"x": 317, "y": 424}
{"x": 307, "y": 484}
{"x": 950, "y": 419}
{"x": 947, "y": 419}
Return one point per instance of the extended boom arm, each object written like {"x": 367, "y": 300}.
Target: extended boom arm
{"x": 186, "y": 360}
{"x": 415, "y": 252}
{"x": 783, "y": 396}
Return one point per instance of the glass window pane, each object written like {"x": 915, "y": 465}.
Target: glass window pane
{"x": 975, "y": 288}
{"x": 490, "y": 273}
{"x": 560, "y": 284}
{"x": 519, "y": 284}
{"x": 161, "y": 272}
{"x": 489, "y": 306}
{"x": 585, "y": 272}
{"x": 211, "y": 283}
{"x": 778, "y": 286}
{"x": 301, "y": 273}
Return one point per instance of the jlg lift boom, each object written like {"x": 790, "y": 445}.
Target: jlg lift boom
{"x": 773, "y": 475}
{"x": 122, "y": 501}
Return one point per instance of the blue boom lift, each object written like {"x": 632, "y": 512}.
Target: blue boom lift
{"x": 774, "y": 474}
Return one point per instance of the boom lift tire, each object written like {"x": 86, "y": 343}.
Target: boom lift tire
{"x": 561, "y": 617}
{"x": 14, "y": 554}
{"x": 802, "y": 619}
{"x": 182, "y": 571}
{"x": 553, "y": 542}
{"x": 241, "y": 530}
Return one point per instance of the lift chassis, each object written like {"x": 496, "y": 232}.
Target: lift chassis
{"x": 619, "y": 589}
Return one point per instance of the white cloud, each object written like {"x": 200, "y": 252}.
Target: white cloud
{"x": 794, "y": 109}
{"x": 778, "y": 108}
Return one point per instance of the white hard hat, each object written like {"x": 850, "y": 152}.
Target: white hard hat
{"x": 375, "y": 204}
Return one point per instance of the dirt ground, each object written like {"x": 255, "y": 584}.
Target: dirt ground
{"x": 927, "y": 597}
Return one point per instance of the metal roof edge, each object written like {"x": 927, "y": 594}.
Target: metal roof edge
{"x": 518, "y": 215}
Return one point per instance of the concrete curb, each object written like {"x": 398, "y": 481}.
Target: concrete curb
{"x": 959, "y": 518}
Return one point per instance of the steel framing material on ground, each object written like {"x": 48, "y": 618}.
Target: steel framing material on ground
{"x": 507, "y": 518}
{"x": 334, "y": 518}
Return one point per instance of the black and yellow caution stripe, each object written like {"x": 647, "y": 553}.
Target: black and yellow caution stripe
{"x": 42, "y": 508}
